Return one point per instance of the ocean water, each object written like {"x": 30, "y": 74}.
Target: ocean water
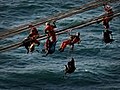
{"x": 97, "y": 63}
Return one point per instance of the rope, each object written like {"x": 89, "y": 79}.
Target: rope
{"x": 59, "y": 16}
{"x": 80, "y": 25}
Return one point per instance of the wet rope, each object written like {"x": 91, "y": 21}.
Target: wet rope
{"x": 69, "y": 13}
{"x": 80, "y": 25}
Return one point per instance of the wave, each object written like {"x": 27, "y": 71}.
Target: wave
{"x": 44, "y": 78}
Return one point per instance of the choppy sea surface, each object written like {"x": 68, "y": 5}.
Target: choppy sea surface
{"x": 97, "y": 63}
